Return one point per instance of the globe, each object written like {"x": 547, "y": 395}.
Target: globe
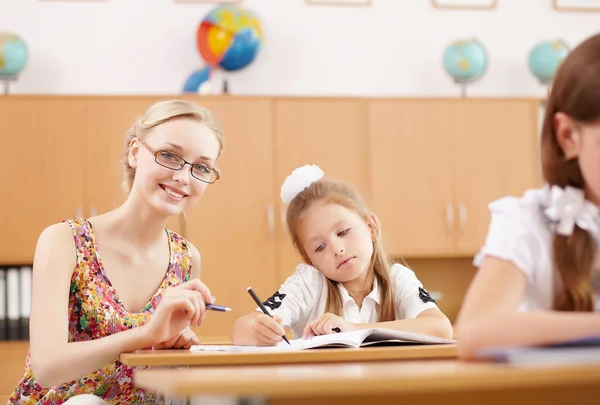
{"x": 545, "y": 58}
{"x": 13, "y": 55}
{"x": 465, "y": 60}
{"x": 199, "y": 81}
{"x": 229, "y": 37}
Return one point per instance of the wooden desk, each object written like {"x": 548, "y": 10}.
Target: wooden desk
{"x": 174, "y": 358}
{"x": 405, "y": 382}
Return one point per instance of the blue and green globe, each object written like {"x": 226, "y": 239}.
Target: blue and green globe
{"x": 13, "y": 55}
{"x": 465, "y": 60}
{"x": 545, "y": 58}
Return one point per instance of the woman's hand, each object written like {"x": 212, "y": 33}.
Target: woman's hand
{"x": 184, "y": 340}
{"x": 181, "y": 307}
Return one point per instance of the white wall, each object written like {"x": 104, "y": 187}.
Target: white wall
{"x": 392, "y": 48}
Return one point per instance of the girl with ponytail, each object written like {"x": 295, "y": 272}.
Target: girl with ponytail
{"x": 539, "y": 276}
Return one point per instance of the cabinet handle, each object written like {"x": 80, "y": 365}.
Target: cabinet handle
{"x": 462, "y": 215}
{"x": 270, "y": 222}
{"x": 78, "y": 212}
{"x": 450, "y": 218}
{"x": 93, "y": 211}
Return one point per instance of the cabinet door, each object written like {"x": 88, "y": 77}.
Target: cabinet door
{"x": 496, "y": 150}
{"x": 42, "y": 169}
{"x": 328, "y": 133}
{"x": 411, "y": 176}
{"x": 231, "y": 225}
{"x": 108, "y": 121}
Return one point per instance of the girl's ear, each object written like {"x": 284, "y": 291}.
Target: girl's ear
{"x": 567, "y": 135}
{"x": 375, "y": 226}
{"x": 133, "y": 152}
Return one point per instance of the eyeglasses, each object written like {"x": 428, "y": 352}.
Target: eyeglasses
{"x": 172, "y": 161}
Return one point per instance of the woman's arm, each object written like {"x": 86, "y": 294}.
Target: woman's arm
{"x": 54, "y": 360}
{"x": 489, "y": 316}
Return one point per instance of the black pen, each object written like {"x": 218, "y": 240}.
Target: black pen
{"x": 262, "y": 308}
{"x": 219, "y": 308}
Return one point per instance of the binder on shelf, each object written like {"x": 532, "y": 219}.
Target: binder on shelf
{"x": 25, "y": 295}
{"x": 3, "y": 299}
{"x": 12, "y": 308}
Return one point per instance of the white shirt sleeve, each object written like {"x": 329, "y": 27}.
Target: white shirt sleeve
{"x": 515, "y": 234}
{"x": 411, "y": 297}
{"x": 296, "y": 298}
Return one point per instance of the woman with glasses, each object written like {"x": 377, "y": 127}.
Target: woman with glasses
{"x": 121, "y": 281}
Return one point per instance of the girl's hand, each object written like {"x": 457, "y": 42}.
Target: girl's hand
{"x": 266, "y": 331}
{"x": 181, "y": 307}
{"x": 325, "y": 325}
{"x": 184, "y": 340}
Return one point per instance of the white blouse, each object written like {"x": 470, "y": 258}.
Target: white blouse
{"x": 303, "y": 297}
{"x": 520, "y": 232}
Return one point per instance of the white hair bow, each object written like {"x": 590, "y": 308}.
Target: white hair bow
{"x": 568, "y": 207}
{"x": 300, "y": 178}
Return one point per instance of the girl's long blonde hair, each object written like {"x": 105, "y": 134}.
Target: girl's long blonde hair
{"x": 575, "y": 92}
{"x": 328, "y": 191}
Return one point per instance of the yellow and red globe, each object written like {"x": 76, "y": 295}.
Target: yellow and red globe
{"x": 229, "y": 37}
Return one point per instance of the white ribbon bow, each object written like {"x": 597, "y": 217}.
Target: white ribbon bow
{"x": 568, "y": 207}
{"x": 300, "y": 178}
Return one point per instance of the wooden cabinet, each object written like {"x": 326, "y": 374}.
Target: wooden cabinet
{"x": 42, "y": 170}
{"x": 495, "y": 152}
{"x": 436, "y": 164}
{"x": 329, "y": 133}
{"x": 232, "y": 224}
{"x": 429, "y": 167}
{"x": 107, "y": 122}
{"x": 12, "y": 366}
{"x": 411, "y": 176}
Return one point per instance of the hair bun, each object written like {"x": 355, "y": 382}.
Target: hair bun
{"x": 301, "y": 178}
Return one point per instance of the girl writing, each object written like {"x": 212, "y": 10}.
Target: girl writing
{"x": 347, "y": 281}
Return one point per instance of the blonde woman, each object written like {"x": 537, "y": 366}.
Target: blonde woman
{"x": 121, "y": 281}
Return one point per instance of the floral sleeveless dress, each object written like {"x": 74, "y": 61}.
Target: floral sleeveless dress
{"x": 94, "y": 312}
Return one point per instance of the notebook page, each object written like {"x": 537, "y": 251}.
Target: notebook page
{"x": 389, "y": 335}
{"x": 344, "y": 339}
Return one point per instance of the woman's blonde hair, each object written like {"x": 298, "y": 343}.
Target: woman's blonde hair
{"x": 162, "y": 112}
{"x": 329, "y": 191}
{"x": 575, "y": 92}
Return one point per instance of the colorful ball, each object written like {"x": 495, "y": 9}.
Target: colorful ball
{"x": 465, "y": 60}
{"x": 13, "y": 55}
{"x": 545, "y": 58}
{"x": 229, "y": 37}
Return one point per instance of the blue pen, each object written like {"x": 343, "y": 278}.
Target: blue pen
{"x": 219, "y": 308}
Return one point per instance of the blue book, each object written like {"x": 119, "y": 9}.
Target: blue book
{"x": 592, "y": 341}
{"x": 574, "y": 352}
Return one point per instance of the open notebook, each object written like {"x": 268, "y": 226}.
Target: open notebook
{"x": 354, "y": 339}
{"x": 574, "y": 352}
